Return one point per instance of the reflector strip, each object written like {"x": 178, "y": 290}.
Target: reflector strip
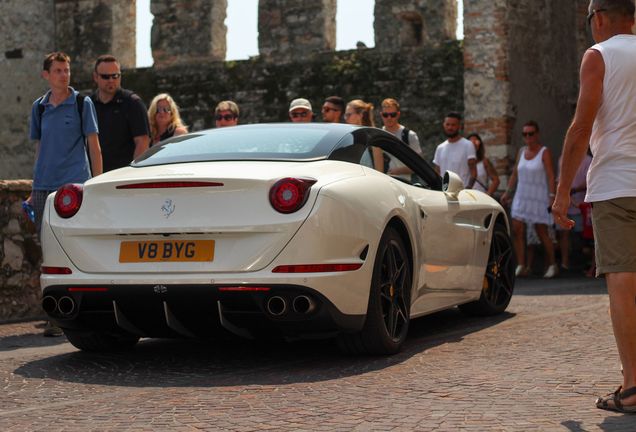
{"x": 244, "y": 289}
{"x": 169, "y": 185}
{"x": 87, "y": 289}
{"x": 316, "y": 268}
{"x": 56, "y": 270}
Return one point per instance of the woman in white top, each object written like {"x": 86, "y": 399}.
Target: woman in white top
{"x": 534, "y": 196}
{"x": 487, "y": 179}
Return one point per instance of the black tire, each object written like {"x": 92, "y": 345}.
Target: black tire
{"x": 499, "y": 279}
{"x": 388, "y": 311}
{"x": 92, "y": 341}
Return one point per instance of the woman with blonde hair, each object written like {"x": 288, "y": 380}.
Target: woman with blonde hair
{"x": 359, "y": 112}
{"x": 164, "y": 119}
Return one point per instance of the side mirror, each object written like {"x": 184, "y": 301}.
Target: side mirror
{"x": 452, "y": 183}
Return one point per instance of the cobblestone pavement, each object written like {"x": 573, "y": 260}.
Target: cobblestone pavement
{"x": 537, "y": 367}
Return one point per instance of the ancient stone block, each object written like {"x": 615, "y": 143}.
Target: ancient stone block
{"x": 86, "y": 29}
{"x": 13, "y": 227}
{"x": 13, "y": 255}
{"x": 407, "y": 23}
{"x": 290, "y": 30}
{"x": 188, "y": 31}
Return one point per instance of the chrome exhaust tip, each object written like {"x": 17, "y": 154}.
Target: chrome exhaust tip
{"x": 276, "y": 306}
{"x": 303, "y": 304}
{"x": 49, "y": 304}
{"x": 66, "y": 305}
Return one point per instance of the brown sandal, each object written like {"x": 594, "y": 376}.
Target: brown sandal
{"x": 612, "y": 401}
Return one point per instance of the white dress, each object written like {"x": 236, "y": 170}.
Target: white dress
{"x": 482, "y": 177}
{"x": 531, "y": 201}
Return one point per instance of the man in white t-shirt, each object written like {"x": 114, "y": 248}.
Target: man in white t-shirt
{"x": 391, "y": 118}
{"x": 456, "y": 154}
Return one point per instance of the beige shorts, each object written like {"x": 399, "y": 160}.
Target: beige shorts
{"x": 614, "y": 223}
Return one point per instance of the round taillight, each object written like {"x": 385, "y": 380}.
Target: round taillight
{"x": 290, "y": 194}
{"x": 68, "y": 199}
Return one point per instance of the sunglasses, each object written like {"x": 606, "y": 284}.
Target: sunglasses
{"x": 389, "y": 114}
{"x": 163, "y": 110}
{"x": 528, "y": 134}
{"x": 349, "y": 114}
{"x": 299, "y": 114}
{"x": 591, "y": 15}
{"x": 110, "y": 76}
{"x": 327, "y": 109}
{"x": 226, "y": 117}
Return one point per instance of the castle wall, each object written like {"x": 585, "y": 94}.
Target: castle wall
{"x": 27, "y": 31}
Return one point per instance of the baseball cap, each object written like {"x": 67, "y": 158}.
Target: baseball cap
{"x": 299, "y": 103}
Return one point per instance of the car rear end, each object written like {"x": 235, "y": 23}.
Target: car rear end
{"x": 205, "y": 249}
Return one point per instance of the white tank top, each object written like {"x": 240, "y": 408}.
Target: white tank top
{"x": 612, "y": 173}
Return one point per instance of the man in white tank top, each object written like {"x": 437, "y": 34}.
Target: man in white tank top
{"x": 606, "y": 118}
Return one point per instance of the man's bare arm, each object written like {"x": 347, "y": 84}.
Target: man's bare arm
{"x": 95, "y": 153}
{"x": 142, "y": 142}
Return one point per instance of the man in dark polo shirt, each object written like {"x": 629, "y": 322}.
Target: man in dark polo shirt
{"x": 121, "y": 115}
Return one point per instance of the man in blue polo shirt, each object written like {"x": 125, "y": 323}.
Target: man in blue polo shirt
{"x": 63, "y": 137}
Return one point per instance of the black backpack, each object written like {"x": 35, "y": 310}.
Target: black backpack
{"x": 405, "y": 135}
{"x": 387, "y": 158}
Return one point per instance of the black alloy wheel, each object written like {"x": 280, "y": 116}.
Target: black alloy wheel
{"x": 388, "y": 312}
{"x": 499, "y": 278}
{"x": 395, "y": 285}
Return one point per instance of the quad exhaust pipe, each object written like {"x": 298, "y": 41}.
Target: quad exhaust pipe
{"x": 65, "y": 306}
{"x": 301, "y": 304}
{"x": 276, "y": 306}
{"x": 49, "y": 304}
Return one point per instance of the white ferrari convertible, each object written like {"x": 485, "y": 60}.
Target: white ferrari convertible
{"x": 277, "y": 230}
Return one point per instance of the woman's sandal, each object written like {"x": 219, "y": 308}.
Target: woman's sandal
{"x": 612, "y": 401}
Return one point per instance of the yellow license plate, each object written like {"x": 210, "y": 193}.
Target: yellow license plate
{"x": 166, "y": 251}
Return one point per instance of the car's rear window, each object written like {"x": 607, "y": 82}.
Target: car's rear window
{"x": 256, "y": 142}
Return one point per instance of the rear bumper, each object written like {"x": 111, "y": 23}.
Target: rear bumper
{"x": 277, "y": 310}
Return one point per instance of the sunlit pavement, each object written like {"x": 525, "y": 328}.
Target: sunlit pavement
{"x": 538, "y": 367}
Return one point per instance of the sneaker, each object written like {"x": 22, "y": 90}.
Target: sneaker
{"x": 552, "y": 271}
{"x": 52, "y": 331}
{"x": 521, "y": 271}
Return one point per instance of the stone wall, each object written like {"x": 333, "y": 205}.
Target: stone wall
{"x": 20, "y": 256}
{"x": 21, "y": 56}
